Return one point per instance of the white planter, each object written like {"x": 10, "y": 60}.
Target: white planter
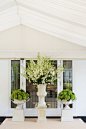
{"x": 66, "y": 103}
{"x": 42, "y": 93}
{"x": 18, "y": 102}
{"x": 18, "y": 115}
{"x": 18, "y": 112}
{"x": 66, "y": 114}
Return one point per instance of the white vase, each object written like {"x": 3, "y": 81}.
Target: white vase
{"x": 18, "y": 102}
{"x": 66, "y": 103}
{"x": 42, "y": 93}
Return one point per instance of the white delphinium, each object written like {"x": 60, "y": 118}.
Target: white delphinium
{"x": 42, "y": 71}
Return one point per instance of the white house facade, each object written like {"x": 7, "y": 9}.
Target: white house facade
{"x": 55, "y": 29}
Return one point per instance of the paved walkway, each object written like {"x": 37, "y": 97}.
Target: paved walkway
{"x": 30, "y": 123}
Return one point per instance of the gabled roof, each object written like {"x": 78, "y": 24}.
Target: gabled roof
{"x": 65, "y": 19}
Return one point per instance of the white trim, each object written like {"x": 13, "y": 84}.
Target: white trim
{"x": 56, "y": 55}
{"x": 10, "y": 110}
{"x": 22, "y": 79}
{"x": 73, "y": 89}
{"x": 59, "y": 83}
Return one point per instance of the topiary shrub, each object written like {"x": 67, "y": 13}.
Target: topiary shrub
{"x": 19, "y": 95}
{"x": 67, "y": 95}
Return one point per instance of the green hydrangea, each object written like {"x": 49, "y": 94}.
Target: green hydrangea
{"x": 67, "y": 95}
{"x": 19, "y": 94}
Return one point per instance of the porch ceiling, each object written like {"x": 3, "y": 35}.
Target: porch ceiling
{"x": 65, "y": 19}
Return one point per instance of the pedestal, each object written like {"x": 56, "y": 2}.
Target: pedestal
{"x": 66, "y": 115}
{"x": 18, "y": 115}
{"x": 41, "y": 115}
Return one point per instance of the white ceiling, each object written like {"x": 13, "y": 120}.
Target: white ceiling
{"x": 65, "y": 19}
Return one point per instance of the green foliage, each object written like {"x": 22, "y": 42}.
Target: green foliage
{"x": 67, "y": 95}
{"x": 19, "y": 94}
{"x": 42, "y": 71}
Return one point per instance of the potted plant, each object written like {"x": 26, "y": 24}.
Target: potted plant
{"x": 66, "y": 97}
{"x": 41, "y": 73}
{"x": 19, "y": 97}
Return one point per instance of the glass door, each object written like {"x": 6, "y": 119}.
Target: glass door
{"x": 32, "y": 90}
{"x": 15, "y": 77}
{"x": 51, "y": 89}
{"x": 51, "y": 99}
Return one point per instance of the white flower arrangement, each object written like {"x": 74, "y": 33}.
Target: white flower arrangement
{"x": 42, "y": 71}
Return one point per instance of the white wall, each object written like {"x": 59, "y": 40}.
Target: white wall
{"x": 37, "y": 41}
{"x": 11, "y": 39}
{"x": 79, "y": 86}
{"x": 24, "y": 38}
{"x": 4, "y": 89}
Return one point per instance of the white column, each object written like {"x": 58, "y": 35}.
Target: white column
{"x": 22, "y": 79}
{"x": 60, "y": 82}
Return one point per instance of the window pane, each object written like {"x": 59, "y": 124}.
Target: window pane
{"x": 51, "y": 89}
{"x": 15, "y": 77}
{"x": 32, "y": 90}
{"x": 67, "y": 76}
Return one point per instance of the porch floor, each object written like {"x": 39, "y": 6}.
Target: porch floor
{"x": 30, "y": 123}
